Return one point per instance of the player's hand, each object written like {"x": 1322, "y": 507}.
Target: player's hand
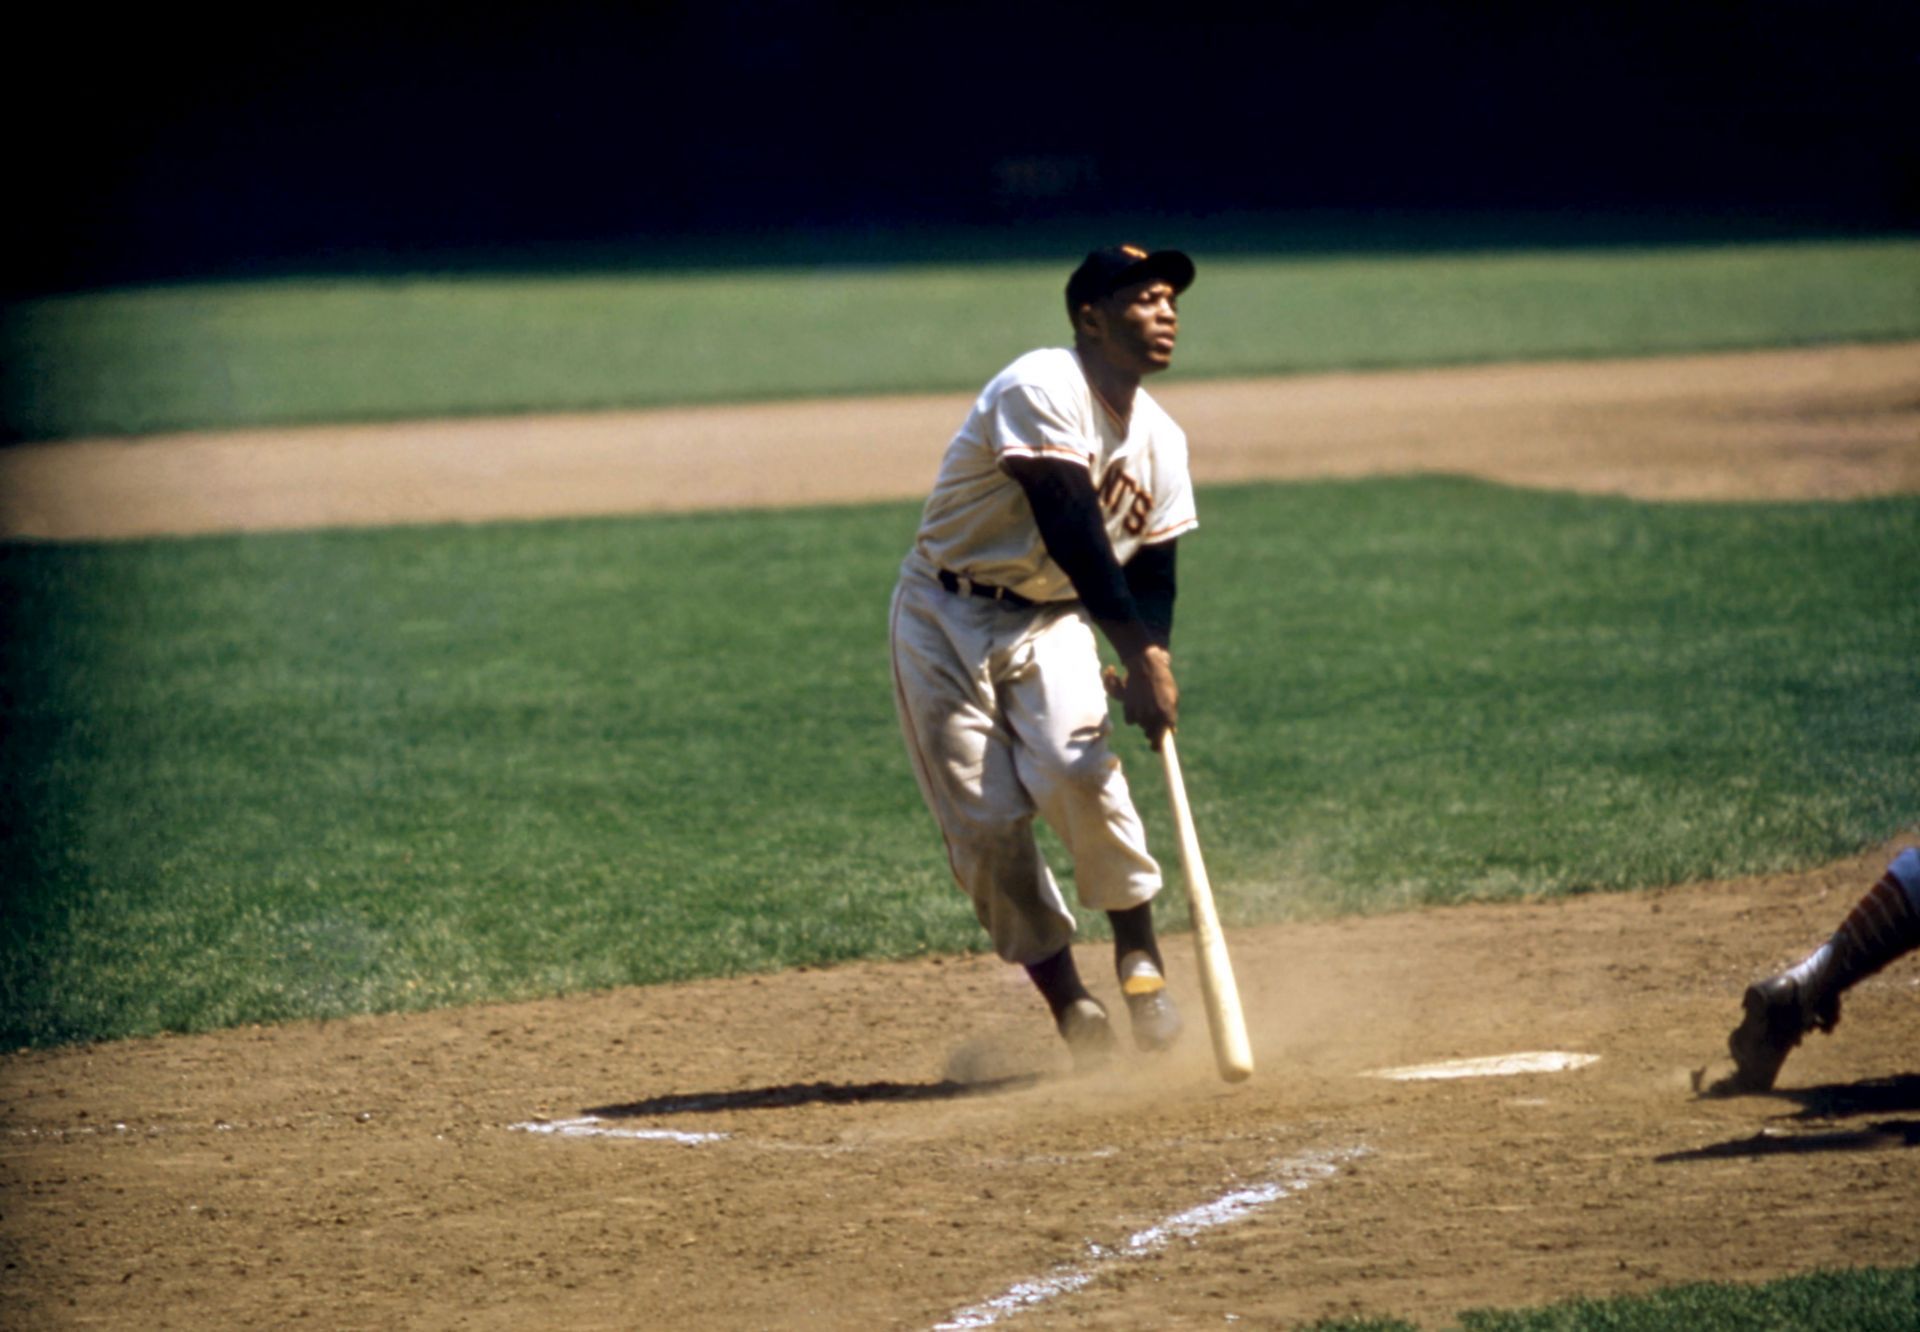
{"x": 1148, "y": 695}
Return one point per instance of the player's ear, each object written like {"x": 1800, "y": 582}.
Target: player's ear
{"x": 1089, "y": 321}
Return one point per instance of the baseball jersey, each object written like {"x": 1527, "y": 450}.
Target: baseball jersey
{"x": 977, "y": 521}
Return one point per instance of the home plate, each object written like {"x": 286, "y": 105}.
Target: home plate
{"x": 1490, "y": 1066}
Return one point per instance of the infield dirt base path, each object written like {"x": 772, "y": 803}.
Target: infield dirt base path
{"x": 1826, "y": 423}
{"x": 379, "y": 1172}
{"x": 903, "y": 1145}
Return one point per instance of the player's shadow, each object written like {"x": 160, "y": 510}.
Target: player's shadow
{"x": 810, "y": 1093}
{"x": 1825, "y": 1104}
{"x": 1844, "y": 1100}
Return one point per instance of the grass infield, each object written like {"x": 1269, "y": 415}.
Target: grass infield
{"x": 215, "y": 355}
{"x": 1866, "y": 1300}
{"x": 281, "y": 776}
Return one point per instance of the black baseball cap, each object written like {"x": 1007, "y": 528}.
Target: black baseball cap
{"x": 1112, "y": 267}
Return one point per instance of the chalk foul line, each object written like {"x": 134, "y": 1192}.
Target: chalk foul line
{"x": 1293, "y": 1175}
{"x": 593, "y": 1127}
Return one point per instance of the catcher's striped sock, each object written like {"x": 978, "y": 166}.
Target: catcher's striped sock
{"x": 1882, "y": 926}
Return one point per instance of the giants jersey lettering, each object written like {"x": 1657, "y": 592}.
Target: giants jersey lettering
{"x": 1123, "y": 498}
{"x": 977, "y": 521}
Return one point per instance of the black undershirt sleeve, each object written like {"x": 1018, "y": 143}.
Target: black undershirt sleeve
{"x": 1134, "y": 610}
{"x": 1150, "y": 577}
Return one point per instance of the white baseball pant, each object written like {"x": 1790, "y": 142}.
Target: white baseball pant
{"x": 1005, "y": 716}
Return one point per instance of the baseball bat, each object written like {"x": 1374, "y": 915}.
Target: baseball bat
{"x": 1226, "y": 1022}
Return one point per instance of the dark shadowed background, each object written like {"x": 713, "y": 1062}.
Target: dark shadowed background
{"x": 169, "y": 143}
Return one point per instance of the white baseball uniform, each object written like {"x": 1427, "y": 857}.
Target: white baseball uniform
{"x": 1002, "y": 706}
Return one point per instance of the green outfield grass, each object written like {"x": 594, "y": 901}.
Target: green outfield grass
{"x": 228, "y": 354}
{"x": 1867, "y": 1300}
{"x": 269, "y": 777}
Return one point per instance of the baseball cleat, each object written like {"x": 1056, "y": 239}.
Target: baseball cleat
{"x": 1089, "y": 1036}
{"x": 1156, "y": 1022}
{"x": 1778, "y": 1014}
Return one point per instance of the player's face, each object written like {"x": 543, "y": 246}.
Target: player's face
{"x": 1139, "y": 325}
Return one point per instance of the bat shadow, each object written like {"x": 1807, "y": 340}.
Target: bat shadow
{"x": 793, "y": 1094}
{"x": 1866, "y": 1099}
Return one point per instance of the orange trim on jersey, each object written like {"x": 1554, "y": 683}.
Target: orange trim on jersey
{"x": 1173, "y": 530}
{"x": 1111, "y": 410}
{"x": 1058, "y": 450}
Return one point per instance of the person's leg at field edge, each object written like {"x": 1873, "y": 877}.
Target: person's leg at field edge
{"x": 1883, "y": 925}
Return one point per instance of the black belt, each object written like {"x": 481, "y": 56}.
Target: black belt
{"x": 954, "y": 582}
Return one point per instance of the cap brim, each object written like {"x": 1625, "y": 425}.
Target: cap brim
{"x": 1173, "y": 265}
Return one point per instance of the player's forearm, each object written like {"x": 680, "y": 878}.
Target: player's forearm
{"x": 1150, "y": 577}
{"x": 1067, "y": 512}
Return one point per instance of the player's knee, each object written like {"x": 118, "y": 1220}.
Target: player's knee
{"x": 991, "y": 821}
{"x": 1081, "y": 772}
{"x": 992, "y": 844}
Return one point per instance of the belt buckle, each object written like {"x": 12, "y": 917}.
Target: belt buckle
{"x": 967, "y": 587}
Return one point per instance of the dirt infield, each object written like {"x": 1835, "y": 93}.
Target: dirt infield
{"x": 381, "y": 1172}
{"x": 1831, "y": 423}
{"x": 902, "y": 1145}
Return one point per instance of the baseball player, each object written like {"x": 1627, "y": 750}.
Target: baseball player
{"x": 1883, "y": 925}
{"x": 1054, "y": 516}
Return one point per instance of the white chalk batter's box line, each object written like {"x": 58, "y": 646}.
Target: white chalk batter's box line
{"x": 1489, "y": 1066}
{"x": 1290, "y": 1177}
{"x": 590, "y": 1126}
